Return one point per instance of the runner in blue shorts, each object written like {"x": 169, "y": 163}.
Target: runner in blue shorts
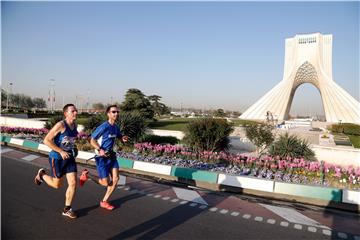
{"x": 61, "y": 139}
{"x": 103, "y": 140}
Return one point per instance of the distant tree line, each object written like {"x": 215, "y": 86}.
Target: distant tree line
{"x": 137, "y": 102}
{"x": 21, "y": 101}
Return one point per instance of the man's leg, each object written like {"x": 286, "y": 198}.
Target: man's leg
{"x": 70, "y": 191}
{"x": 69, "y": 195}
{"x": 52, "y": 181}
{"x": 110, "y": 188}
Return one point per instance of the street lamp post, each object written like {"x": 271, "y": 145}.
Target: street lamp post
{"x": 8, "y": 96}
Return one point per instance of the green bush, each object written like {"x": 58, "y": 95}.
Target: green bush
{"x": 291, "y": 146}
{"x": 260, "y": 135}
{"x": 132, "y": 124}
{"x": 93, "y": 122}
{"x": 154, "y": 139}
{"x": 52, "y": 121}
{"x": 208, "y": 134}
{"x": 346, "y": 128}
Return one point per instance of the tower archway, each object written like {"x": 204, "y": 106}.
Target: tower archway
{"x": 308, "y": 59}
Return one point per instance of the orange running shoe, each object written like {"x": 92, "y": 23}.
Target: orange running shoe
{"x": 84, "y": 177}
{"x": 106, "y": 205}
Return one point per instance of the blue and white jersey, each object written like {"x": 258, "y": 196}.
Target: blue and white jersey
{"x": 106, "y": 135}
{"x": 65, "y": 140}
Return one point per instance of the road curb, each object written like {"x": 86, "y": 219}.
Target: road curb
{"x": 320, "y": 196}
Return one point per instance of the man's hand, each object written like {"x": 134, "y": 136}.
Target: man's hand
{"x": 102, "y": 152}
{"x": 125, "y": 139}
{"x": 64, "y": 154}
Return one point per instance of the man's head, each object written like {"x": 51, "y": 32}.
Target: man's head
{"x": 112, "y": 112}
{"x": 70, "y": 111}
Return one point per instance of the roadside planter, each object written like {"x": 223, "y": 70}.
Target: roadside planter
{"x": 323, "y": 193}
{"x": 246, "y": 182}
{"x": 251, "y": 183}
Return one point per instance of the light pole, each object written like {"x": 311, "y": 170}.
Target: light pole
{"x": 51, "y": 98}
{"x": 8, "y": 96}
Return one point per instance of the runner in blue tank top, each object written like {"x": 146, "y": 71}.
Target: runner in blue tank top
{"x": 103, "y": 140}
{"x": 61, "y": 139}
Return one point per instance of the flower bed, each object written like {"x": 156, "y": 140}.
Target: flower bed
{"x": 289, "y": 170}
{"x": 272, "y": 168}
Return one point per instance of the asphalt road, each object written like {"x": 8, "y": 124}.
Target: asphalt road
{"x": 34, "y": 212}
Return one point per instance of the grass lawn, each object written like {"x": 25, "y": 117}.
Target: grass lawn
{"x": 177, "y": 124}
{"x": 355, "y": 140}
{"x": 241, "y": 122}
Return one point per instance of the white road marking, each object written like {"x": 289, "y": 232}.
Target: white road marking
{"x": 234, "y": 214}
{"x": 5, "y": 150}
{"x": 293, "y": 216}
{"x": 189, "y": 195}
{"x": 30, "y": 157}
{"x": 224, "y": 211}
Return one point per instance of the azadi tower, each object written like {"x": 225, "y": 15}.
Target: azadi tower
{"x": 308, "y": 59}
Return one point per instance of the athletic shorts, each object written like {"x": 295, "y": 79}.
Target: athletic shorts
{"x": 105, "y": 165}
{"x": 60, "y": 167}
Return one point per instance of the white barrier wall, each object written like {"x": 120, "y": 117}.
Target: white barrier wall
{"x": 26, "y": 123}
{"x": 338, "y": 155}
{"x": 178, "y": 134}
{"x": 18, "y": 122}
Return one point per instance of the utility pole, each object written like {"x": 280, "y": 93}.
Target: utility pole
{"x": 8, "y": 96}
{"x": 51, "y": 97}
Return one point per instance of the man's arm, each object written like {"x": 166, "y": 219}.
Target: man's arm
{"x": 49, "y": 140}
{"x": 95, "y": 145}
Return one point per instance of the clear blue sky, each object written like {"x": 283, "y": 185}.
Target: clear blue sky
{"x": 201, "y": 54}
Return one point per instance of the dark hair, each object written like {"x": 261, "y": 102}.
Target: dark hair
{"x": 65, "y": 108}
{"x": 109, "y": 107}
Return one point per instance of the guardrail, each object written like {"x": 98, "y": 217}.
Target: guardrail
{"x": 317, "y": 195}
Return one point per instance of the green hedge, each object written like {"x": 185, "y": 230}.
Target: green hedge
{"x": 346, "y": 128}
{"x": 154, "y": 139}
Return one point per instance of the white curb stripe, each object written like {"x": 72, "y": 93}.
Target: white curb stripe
{"x": 189, "y": 195}
{"x": 30, "y": 157}
{"x": 292, "y": 216}
{"x": 16, "y": 141}
{"x": 246, "y": 182}
{"x": 152, "y": 167}
{"x": 43, "y": 147}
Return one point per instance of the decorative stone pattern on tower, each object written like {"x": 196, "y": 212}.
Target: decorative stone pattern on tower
{"x": 308, "y": 59}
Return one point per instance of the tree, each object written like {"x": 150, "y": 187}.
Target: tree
{"x": 136, "y": 101}
{"x": 3, "y": 97}
{"x": 260, "y": 135}
{"x": 98, "y": 106}
{"x": 219, "y": 113}
{"x": 39, "y": 103}
{"x": 158, "y": 107}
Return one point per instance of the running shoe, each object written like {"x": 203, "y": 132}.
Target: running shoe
{"x": 106, "y": 205}
{"x": 38, "y": 178}
{"x": 69, "y": 213}
{"x": 84, "y": 177}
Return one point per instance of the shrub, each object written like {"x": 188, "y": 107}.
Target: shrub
{"x": 154, "y": 139}
{"x": 260, "y": 135}
{"x": 347, "y": 128}
{"x": 291, "y": 146}
{"x": 208, "y": 134}
{"x": 133, "y": 125}
{"x": 52, "y": 121}
{"x": 93, "y": 122}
